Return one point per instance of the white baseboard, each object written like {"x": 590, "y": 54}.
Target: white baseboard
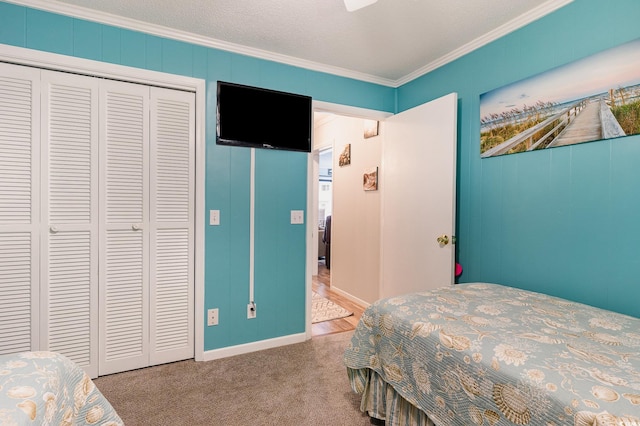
{"x": 254, "y": 346}
{"x": 350, "y": 297}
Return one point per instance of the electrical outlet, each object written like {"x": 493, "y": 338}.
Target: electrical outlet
{"x": 251, "y": 310}
{"x": 212, "y": 317}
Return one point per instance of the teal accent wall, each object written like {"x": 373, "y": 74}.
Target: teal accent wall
{"x": 281, "y": 176}
{"x": 563, "y": 221}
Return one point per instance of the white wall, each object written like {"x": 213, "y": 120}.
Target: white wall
{"x": 355, "y": 237}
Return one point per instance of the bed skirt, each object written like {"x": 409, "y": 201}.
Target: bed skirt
{"x": 381, "y": 401}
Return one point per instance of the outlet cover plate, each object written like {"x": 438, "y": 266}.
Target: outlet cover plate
{"x": 251, "y": 313}
{"x": 212, "y": 317}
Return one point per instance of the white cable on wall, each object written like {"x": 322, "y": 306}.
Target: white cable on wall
{"x": 252, "y": 193}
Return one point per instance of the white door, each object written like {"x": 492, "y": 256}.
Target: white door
{"x": 124, "y": 226}
{"x": 69, "y": 231}
{"x": 171, "y": 227}
{"x": 418, "y": 181}
{"x": 19, "y": 208}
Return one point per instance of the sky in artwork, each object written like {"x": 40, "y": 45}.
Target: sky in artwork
{"x": 611, "y": 69}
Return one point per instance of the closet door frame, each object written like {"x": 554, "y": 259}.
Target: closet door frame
{"x": 54, "y": 61}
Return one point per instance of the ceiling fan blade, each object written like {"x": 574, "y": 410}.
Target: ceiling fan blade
{"x": 352, "y": 5}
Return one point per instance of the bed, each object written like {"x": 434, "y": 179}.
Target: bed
{"x": 475, "y": 354}
{"x": 46, "y": 388}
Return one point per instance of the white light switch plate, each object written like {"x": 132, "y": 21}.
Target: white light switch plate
{"x": 297, "y": 217}
{"x": 214, "y": 217}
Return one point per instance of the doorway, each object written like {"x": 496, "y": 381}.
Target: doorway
{"x": 322, "y": 278}
{"x": 416, "y": 167}
{"x": 323, "y": 296}
{"x": 346, "y": 218}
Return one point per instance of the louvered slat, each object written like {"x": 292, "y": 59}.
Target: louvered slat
{"x": 19, "y": 172}
{"x": 15, "y": 150}
{"x": 15, "y": 291}
{"x": 70, "y": 148}
{"x": 125, "y": 145}
{"x": 69, "y": 301}
{"x": 173, "y": 161}
{"x": 124, "y": 296}
{"x": 172, "y": 289}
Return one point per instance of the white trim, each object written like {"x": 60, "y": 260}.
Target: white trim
{"x": 162, "y": 31}
{"x": 321, "y": 119}
{"x": 175, "y": 34}
{"x": 350, "y": 297}
{"x": 40, "y": 59}
{"x": 58, "y": 62}
{"x": 201, "y": 164}
{"x": 312, "y": 232}
{"x": 254, "y": 346}
{"x": 350, "y": 111}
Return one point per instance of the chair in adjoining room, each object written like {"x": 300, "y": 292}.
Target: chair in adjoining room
{"x": 327, "y": 242}
{"x": 321, "y": 245}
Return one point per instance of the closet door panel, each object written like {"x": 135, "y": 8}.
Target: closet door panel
{"x": 124, "y": 277}
{"x": 69, "y": 234}
{"x": 172, "y": 222}
{"x": 19, "y": 207}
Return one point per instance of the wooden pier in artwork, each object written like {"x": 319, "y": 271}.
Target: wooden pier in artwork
{"x": 586, "y": 120}
{"x": 594, "y": 122}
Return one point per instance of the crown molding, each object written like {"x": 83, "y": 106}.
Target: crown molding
{"x": 517, "y": 23}
{"x": 170, "y": 33}
{"x": 165, "y": 32}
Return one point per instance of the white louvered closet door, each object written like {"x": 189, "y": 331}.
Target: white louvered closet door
{"x": 124, "y": 270}
{"x": 172, "y": 225}
{"x": 19, "y": 207}
{"x": 69, "y": 231}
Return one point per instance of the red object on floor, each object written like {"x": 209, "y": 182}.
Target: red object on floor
{"x": 458, "y": 269}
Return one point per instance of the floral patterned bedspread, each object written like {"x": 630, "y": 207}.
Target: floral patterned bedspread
{"x": 474, "y": 353}
{"x": 46, "y": 388}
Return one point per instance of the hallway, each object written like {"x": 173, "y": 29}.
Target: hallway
{"x": 321, "y": 285}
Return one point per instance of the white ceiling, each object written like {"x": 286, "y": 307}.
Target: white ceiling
{"x": 389, "y": 42}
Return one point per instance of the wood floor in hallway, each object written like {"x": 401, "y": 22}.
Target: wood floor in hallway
{"x": 321, "y": 284}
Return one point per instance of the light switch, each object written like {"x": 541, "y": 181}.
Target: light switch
{"x": 214, "y": 217}
{"x": 297, "y": 217}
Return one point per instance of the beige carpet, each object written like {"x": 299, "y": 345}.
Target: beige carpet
{"x": 325, "y": 310}
{"x": 301, "y": 384}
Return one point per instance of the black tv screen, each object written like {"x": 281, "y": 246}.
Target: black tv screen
{"x": 260, "y": 118}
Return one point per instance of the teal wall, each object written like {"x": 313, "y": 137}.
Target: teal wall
{"x": 280, "y": 176}
{"x": 564, "y": 221}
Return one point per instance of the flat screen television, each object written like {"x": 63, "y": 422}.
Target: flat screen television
{"x": 261, "y": 118}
